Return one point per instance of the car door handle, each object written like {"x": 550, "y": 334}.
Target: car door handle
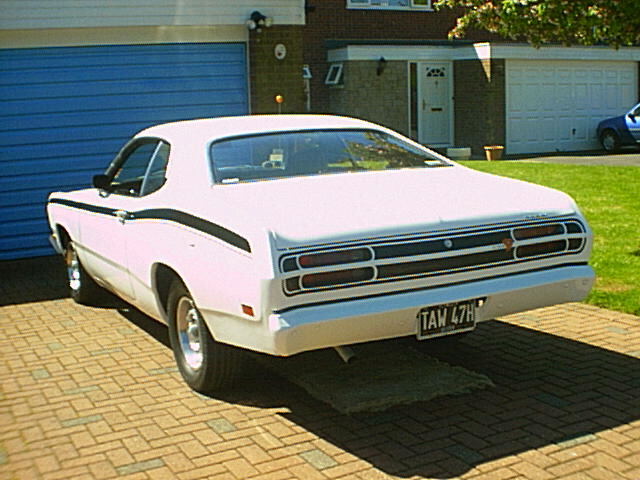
{"x": 121, "y": 215}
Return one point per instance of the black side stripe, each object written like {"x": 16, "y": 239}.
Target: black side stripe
{"x": 170, "y": 215}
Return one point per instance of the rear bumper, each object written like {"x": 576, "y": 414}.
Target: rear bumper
{"x": 395, "y": 315}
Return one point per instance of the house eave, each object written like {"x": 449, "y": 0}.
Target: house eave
{"x": 477, "y": 51}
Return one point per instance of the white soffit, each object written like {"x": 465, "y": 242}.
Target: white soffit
{"x": 480, "y": 51}
{"x": 70, "y": 37}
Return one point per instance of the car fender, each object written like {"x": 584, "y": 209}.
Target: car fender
{"x": 619, "y": 126}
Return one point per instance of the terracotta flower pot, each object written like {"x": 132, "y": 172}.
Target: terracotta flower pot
{"x": 493, "y": 152}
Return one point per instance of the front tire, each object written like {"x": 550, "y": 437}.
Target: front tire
{"x": 610, "y": 141}
{"x": 205, "y": 364}
{"x": 82, "y": 288}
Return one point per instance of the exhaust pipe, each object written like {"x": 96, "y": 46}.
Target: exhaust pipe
{"x": 346, "y": 354}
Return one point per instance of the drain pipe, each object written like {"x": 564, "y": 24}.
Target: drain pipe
{"x": 346, "y": 353}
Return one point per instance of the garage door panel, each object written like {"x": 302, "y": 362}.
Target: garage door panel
{"x": 580, "y": 128}
{"x": 61, "y": 152}
{"x": 52, "y": 165}
{"x": 549, "y": 128}
{"x": 516, "y": 98}
{"x": 65, "y": 112}
{"x": 613, "y": 96}
{"x": 547, "y": 97}
{"x": 596, "y": 97}
{"x": 581, "y": 99}
{"x": 564, "y": 128}
{"x": 103, "y": 88}
{"x": 124, "y": 101}
{"x": 26, "y": 77}
{"x": 571, "y": 97}
{"x": 99, "y": 118}
{"x": 176, "y": 55}
{"x": 60, "y": 136}
{"x": 52, "y": 181}
{"x": 517, "y": 129}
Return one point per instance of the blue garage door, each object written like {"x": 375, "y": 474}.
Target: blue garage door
{"x": 65, "y": 112}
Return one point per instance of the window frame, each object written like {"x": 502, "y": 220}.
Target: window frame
{"x": 367, "y": 5}
{"x": 124, "y": 154}
{"x": 338, "y": 67}
{"x": 217, "y": 180}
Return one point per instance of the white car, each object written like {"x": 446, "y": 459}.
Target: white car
{"x": 283, "y": 234}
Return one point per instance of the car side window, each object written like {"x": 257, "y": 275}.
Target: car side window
{"x": 140, "y": 168}
{"x": 155, "y": 175}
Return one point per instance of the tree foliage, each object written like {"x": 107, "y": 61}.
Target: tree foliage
{"x": 583, "y": 22}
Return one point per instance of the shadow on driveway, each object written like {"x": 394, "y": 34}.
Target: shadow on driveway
{"x": 550, "y": 393}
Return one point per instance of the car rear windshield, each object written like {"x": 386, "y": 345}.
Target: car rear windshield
{"x": 289, "y": 154}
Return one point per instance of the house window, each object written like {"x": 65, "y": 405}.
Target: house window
{"x": 334, "y": 75}
{"x": 390, "y": 4}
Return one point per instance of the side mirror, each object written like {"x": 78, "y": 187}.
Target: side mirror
{"x": 101, "y": 181}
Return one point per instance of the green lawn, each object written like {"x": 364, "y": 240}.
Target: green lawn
{"x": 610, "y": 199}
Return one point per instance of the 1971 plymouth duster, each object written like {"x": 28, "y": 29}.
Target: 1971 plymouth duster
{"x": 283, "y": 234}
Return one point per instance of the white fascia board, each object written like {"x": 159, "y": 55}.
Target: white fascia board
{"x": 480, "y": 51}
{"x": 597, "y": 53}
{"x": 390, "y": 52}
{"x": 78, "y": 37}
{"x": 50, "y": 14}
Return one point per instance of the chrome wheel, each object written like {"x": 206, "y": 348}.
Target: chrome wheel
{"x": 189, "y": 332}
{"x": 73, "y": 269}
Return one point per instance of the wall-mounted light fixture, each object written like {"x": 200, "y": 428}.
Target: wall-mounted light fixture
{"x": 382, "y": 64}
{"x": 258, "y": 21}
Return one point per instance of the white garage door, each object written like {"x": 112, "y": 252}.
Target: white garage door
{"x": 555, "y": 105}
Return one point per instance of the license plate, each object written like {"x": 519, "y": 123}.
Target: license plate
{"x": 448, "y": 319}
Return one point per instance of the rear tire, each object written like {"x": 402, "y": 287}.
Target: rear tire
{"x": 205, "y": 364}
{"x": 610, "y": 141}
{"x": 82, "y": 288}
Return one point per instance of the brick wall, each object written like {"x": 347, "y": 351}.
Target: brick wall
{"x": 378, "y": 98}
{"x": 331, "y": 20}
{"x": 269, "y": 76}
{"x": 479, "y": 111}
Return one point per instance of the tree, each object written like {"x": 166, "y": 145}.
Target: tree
{"x": 584, "y": 22}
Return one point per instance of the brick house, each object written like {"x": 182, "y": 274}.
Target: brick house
{"x": 392, "y": 63}
{"x": 79, "y": 78}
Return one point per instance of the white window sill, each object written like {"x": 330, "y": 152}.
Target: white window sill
{"x": 384, "y": 7}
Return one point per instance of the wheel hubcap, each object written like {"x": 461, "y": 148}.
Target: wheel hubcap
{"x": 73, "y": 269}
{"x": 608, "y": 142}
{"x": 188, "y": 329}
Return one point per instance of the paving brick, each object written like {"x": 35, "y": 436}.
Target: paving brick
{"x": 254, "y": 454}
{"x": 178, "y": 462}
{"x": 92, "y": 395}
{"x": 210, "y": 471}
{"x": 120, "y": 457}
{"x": 240, "y": 468}
{"x": 102, "y": 470}
{"x": 307, "y": 472}
{"x": 570, "y": 467}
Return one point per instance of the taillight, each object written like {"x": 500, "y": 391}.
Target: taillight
{"x": 339, "y": 277}
{"x": 334, "y": 258}
{"x": 540, "y": 248}
{"x": 538, "y": 231}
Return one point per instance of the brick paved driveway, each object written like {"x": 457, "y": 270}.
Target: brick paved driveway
{"x": 93, "y": 393}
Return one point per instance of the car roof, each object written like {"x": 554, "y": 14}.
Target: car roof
{"x": 205, "y": 130}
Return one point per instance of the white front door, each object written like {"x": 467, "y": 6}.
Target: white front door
{"x": 434, "y": 103}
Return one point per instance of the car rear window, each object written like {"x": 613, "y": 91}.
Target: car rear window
{"x": 317, "y": 152}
